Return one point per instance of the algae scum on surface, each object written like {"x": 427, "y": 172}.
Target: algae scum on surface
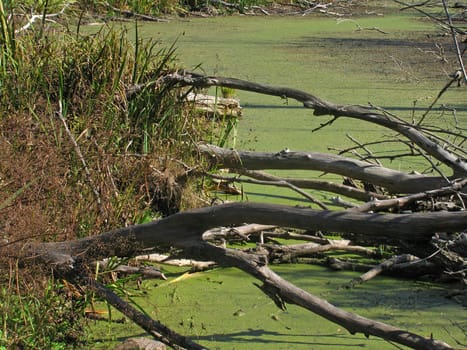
{"x": 222, "y": 309}
{"x": 399, "y": 71}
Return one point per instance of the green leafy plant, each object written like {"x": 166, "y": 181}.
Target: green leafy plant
{"x": 43, "y": 319}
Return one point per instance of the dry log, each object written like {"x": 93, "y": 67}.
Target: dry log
{"x": 311, "y": 237}
{"x": 167, "y": 260}
{"x": 214, "y": 106}
{"x": 398, "y": 203}
{"x": 392, "y": 180}
{"x": 184, "y": 230}
{"x": 145, "y": 271}
{"x": 422, "y": 267}
{"x": 286, "y": 253}
{"x": 239, "y": 232}
{"x": 385, "y": 265}
{"x": 322, "y": 107}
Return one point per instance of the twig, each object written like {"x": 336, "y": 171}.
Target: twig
{"x": 404, "y": 201}
{"x": 454, "y": 39}
{"x": 443, "y": 90}
{"x": 415, "y": 7}
{"x": 459, "y": 149}
{"x": 44, "y": 17}
{"x": 435, "y": 167}
{"x": 322, "y": 125}
{"x": 359, "y": 27}
{"x": 362, "y": 146}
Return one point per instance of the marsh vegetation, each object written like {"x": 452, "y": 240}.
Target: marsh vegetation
{"x": 103, "y": 158}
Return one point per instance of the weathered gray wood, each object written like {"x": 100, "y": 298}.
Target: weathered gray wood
{"x": 186, "y": 228}
{"x": 215, "y": 106}
{"x": 392, "y": 180}
{"x": 140, "y": 343}
{"x": 323, "y": 107}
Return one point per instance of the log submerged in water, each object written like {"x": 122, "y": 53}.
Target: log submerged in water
{"x": 214, "y": 106}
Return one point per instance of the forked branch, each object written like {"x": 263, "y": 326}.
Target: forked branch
{"x": 184, "y": 230}
{"x": 323, "y": 107}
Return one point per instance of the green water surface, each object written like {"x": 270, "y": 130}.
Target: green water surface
{"x": 332, "y": 59}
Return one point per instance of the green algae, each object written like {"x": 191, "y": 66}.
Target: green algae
{"x": 222, "y": 309}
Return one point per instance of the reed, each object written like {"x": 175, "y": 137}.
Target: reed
{"x": 79, "y": 156}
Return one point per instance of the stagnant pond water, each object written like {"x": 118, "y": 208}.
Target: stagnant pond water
{"x": 332, "y": 59}
{"x": 222, "y": 309}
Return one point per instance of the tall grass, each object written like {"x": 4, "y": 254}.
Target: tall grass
{"x": 79, "y": 156}
{"x": 37, "y": 314}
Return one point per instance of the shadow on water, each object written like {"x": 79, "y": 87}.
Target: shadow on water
{"x": 367, "y": 43}
{"x": 389, "y": 108}
{"x": 259, "y": 336}
{"x": 277, "y": 196}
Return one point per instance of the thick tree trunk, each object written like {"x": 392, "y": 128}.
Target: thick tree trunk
{"x": 185, "y": 228}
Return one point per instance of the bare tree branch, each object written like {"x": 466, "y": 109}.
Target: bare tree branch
{"x": 282, "y": 292}
{"x": 184, "y": 229}
{"x": 155, "y": 328}
{"x": 401, "y": 202}
{"x": 45, "y": 17}
{"x": 322, "y": 107}
{"x": 392, "y": 180}
{"x": 454, "y": 39}
{"x": 321, "y": 185}
{"x": 278, "y": 183}
{"x": 81, "y": 158}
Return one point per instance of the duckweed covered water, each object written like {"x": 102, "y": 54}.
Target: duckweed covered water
{"x": 332, "y": 59}
{"x": 223, "y": 309}
{"x": 345, "y": 61}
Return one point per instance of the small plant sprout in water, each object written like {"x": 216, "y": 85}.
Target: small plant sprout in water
{"x": 227, "y": 92}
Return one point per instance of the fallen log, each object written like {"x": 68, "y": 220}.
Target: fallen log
{"x": 184, "y": 230}
{"x": 214, "y": 106}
